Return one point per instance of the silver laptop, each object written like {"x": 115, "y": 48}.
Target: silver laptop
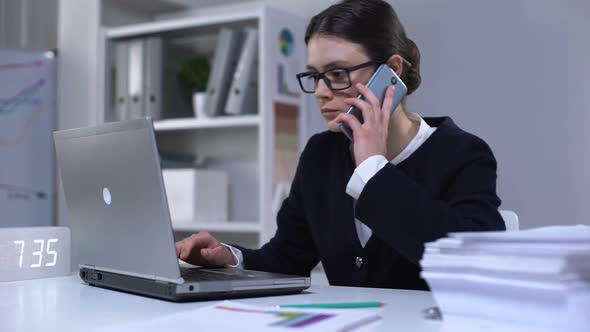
{"x": 121, "y": 230}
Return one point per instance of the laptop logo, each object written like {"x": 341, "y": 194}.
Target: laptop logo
{"x": 106, "y": 195}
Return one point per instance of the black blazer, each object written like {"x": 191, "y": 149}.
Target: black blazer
{"x": 447, "y": 185}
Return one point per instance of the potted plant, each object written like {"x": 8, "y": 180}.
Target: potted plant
{"x": 194, "y": 75}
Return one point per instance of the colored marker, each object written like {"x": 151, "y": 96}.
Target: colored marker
{"x": 341, "y": 305}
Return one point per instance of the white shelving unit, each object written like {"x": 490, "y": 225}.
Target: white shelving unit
{"x": 243, "y": 146}
{"x": 194, "y": 123}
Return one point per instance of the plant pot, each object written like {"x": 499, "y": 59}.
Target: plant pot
{"x": 199, "y": 105}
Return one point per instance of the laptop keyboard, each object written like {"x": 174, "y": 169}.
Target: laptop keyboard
{"x": 197, "y": 274}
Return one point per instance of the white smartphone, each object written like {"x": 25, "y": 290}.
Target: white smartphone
{"x": 383, "y": 77}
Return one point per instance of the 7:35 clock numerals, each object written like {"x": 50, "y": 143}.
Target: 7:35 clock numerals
{"x": 39, "y": 252}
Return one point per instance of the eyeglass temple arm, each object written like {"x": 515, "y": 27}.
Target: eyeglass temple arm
{"x": 406, "y": 62}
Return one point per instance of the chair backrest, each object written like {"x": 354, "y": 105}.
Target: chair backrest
{"x": 510, "y": 219}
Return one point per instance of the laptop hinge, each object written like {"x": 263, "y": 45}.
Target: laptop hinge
{"x": 139, "y": 275}
{"x": 178, "y": 281}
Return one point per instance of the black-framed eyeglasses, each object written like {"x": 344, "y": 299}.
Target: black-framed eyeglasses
{"x": 335, "y": 79}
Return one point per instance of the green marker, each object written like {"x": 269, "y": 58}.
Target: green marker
{"x": 341, "y": 305}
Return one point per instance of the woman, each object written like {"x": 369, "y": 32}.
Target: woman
{"x": 366, "y": 209}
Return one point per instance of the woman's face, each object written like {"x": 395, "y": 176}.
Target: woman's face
{"x": 328, "y": 52}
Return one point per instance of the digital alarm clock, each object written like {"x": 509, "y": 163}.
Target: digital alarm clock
{"x": 34, "y": 252}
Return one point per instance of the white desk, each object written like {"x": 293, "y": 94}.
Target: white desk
{"x": 67, "y": 304}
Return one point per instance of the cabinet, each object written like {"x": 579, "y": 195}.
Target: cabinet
{"x": 258, "y": 151}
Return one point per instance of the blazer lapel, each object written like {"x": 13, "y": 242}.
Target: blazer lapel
{"x": 344, "y": 212}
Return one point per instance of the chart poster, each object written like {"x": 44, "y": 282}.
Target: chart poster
{"x": 27, "y": 116}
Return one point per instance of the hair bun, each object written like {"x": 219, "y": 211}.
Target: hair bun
{"x": 411, "y": 76}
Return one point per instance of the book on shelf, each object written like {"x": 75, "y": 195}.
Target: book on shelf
{"x": 121, "y": 97}
{"x": 243, "y": 98}
{"x": 135, "y": 78}
{"x": 152, "y": 73}
{"x": 224, "y": 64}
{"x": 145, "y": 79}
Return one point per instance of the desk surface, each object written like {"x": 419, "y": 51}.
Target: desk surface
{"x": 65, "y": 304}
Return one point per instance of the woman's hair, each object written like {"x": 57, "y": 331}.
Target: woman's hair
{"x": 374, "y": 25}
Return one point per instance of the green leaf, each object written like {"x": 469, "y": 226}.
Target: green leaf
{"x": 194, "y": 73}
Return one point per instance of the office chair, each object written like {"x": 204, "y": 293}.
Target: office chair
{"x": 510, "y": 219}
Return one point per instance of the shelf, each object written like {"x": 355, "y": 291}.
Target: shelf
{"x": 217, "y": 122}
{"x": 148, "y": 6}
{"x": 221, "y": 226}
{"x": 201, "y": 18}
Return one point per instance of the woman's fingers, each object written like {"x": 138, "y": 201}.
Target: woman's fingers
{"x": 219, "y": 255}
{"x": 182, "y": 249}
{"x": 351, "y": 121}
{"x": 387, "y": 103}
{"x": 371, "y": 99}
{"x": 366, "y": 109}
{"x": 370, "y": 137}
{"x": 193, "y": 245}
{"x": 203, "y": 249}
{"x": 178, "y": 247}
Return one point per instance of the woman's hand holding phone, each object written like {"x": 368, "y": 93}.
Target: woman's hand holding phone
{"x": 370, "y": 137}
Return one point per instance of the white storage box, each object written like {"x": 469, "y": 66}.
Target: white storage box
{"x": 196, "y": 194}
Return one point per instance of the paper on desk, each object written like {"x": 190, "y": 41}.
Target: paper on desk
{"x": 230, "y": 315}
{"x": 538, "y": 277}
{"x": 552, "y": 234}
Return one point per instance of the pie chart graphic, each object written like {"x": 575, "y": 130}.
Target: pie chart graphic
{"x": 286, "y": 42}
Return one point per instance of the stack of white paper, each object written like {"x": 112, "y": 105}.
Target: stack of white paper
{"x": 539, "y": 278}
